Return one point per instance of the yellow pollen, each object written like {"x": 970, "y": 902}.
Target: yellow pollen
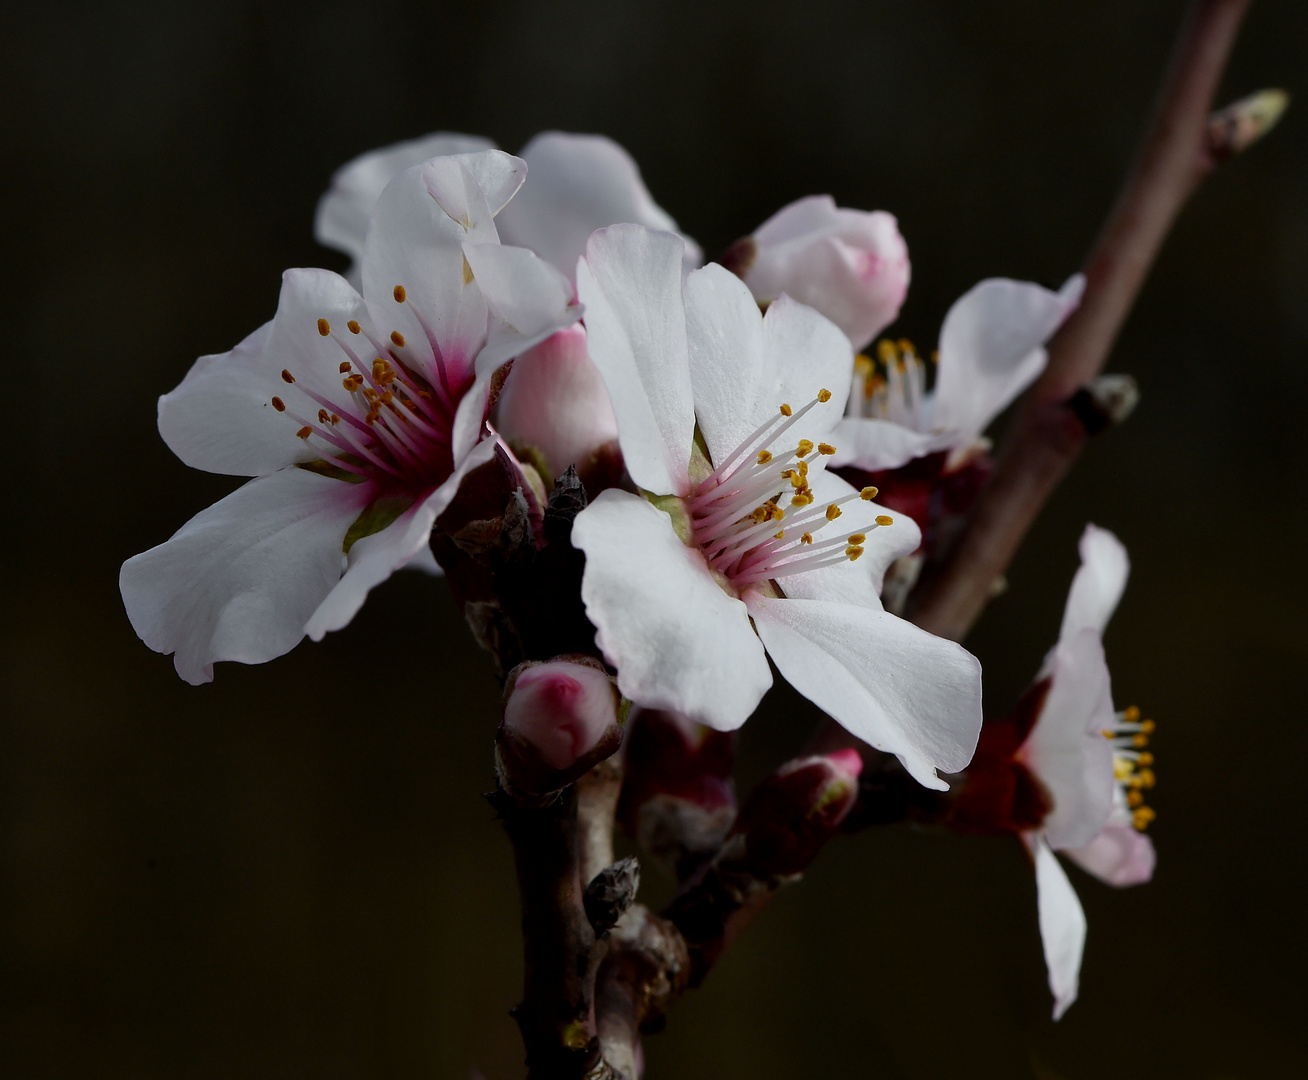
{"x": 352, "y": 326}
{"x": 824, "y": 395}
{"x": 287, "y": 377}
{"x": 278, "y": 404}
{"x": 868, "y": 494}
{"x": 324, "y": 327}
{"x": 335, "y": 419}
{"x": 1130, "y": 714}
{"x": 885, "y": 519}
{"x": 906, "y": 346}
{"x": 764, "y": 456}
{"x": 780, "y": 536}
{"x": 323, "y": 416}
{"x": 777, "y": 513}
{"x": 1122, "y": 768}
{"x": 371, "y": 418}
{"x": 833, "y": 512}
{"x": 1145, "y": 759}
{"x": 935, "y": 356}
{"x": 857, "y": 538}
{"x": 785, "y": 410}
{"x": 801, "y": 499}
{"x": 1147, "y": 778}
{"x": 1142, "y": 817}
{"x": 1140, "y": 741}
{"x": 886, "y": 352}
{"x": 398, "y": 338}
{"x": 353, "y": 382}
{"x": 803, "y": 468}
{"x": 807, "y": 538}
{"x": 826, "y": 448}
{"x": 863, "y": 365}
{"x": 805, "y": 447}
{"x": 305, "y": 432}
{"x": 399, "y": 294}
{"x": 1134, "y": 799}
{"x": 853, "y": 553}
{"x": 1147, "y": 727}
{"x": 345, "y": 367}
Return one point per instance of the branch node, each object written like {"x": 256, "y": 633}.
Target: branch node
{"x": 611, "y": 893}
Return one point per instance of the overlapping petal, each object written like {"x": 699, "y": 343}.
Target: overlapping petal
{"x": 1098, "y": 586}
{"x": 1062, "y": 924}
{"x": 1119, "y": 855}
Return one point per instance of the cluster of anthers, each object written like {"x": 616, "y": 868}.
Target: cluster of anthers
{"x": 896, "y": 392}
{"x": 1132, "y": 763}
{"x": 747, "y": 540}
{"x": 396, "y": 426}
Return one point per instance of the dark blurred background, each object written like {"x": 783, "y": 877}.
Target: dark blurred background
{"x": 291, "y": 872}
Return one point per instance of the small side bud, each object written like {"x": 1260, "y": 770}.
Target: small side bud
{"x": 1104, "y": 402}
{"x": 1242, "y": 123}
{"x": 611, "y": 893}
{"x": 561, "y": 718}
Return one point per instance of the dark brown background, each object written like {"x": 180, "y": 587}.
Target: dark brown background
{"x": 291, "y": 873}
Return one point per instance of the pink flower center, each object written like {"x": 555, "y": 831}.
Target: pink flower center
{"x": 754, "y": 516}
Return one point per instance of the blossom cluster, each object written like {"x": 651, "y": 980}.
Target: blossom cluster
{"x": 650, "y": 480}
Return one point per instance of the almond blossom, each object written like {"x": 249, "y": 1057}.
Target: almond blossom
{"x": 357, "y": 415}
{"x": 742, "y": 545}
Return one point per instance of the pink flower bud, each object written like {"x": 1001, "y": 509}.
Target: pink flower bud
{"x": 561, "y": 710}
{"x": 554, "y": 402}
{"x": 851, "y": 265}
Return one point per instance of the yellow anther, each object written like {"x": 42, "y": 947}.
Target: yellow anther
{"x": 335, "y": 419}
{"x": 853, "y": 553}
{"x": 778, "y": 514}
{"x": 863, "y": 365}
{"x": 1148, "y": 727}
{"x": 1145, "y": 759}
{"x": 764, "y": 456}
{"x": 1122, "y": 768}
{"x": 886, "y": 352}
{"x": 353, "y": 382}
{"x": 857, "y": 538}
{"x": 324, "y": 327}
{"x": 352, "y": 326}
{"x": 345, "y": 367}
{"x": 780, "y": 536}
{"x": 305, "y": 432}
{"x": 1134, "y": 799}
{"x": 807, "y": 538}
{"x": 826, "y": 448}
{"x": 801, "y": 498}
{"x": 833, "y": 512}
{"x": 869, "y": 493}
{"x": 372, "y": 417}
{"x": 1142, "y": 817}
{"x": 1147, "y": 778}
{"x": 885, "y": 519}
{"x": 287, "y": 377}
{"x": 398, "y": 293}
{"x": 323, "y": 416}
{"x": 785, "y": 410}
{"x": 1140, "y": 741}
{"x": 278, "y": 404}
{"x": 397, "y": 338}
{"x": 804, "y": 448}
{"x": 1130, "y": 714}
{"x": 906, "y": 346}
{"x": 824, "y": 395}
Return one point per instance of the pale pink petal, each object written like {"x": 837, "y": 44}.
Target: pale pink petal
{"x": 630, "y": 283}
{"x": 221, "y": 419}
{"x": 579, "y": 183}
{"x": 894, "y": 686}
{"x": 562, "y": 709}
{"x": 554, "y": 399}
{"x": 374, "y": 558}
{"x": 341, "y": 220}
{"x": 473, "y": 188}
{"x": 991, "y": 349}
{"x": 744, "y": 366}
{"x": 1062, "y": 924}
{"x": 239, "y": 580}
{"x": 1098, "y": 584}
{"x": 1120, "y": 855}
{"x": 1067, "y": 749}
{"x": 882, "y": 444}
{"x": 677, "y": 640}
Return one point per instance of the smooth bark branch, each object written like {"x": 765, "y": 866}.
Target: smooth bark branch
{"x": 1181, "y": 147}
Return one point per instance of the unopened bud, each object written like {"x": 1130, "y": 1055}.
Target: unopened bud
{"x": 851, "y": 265}
{"x": 792, "y": 813}
{"x": 560, "y": 719}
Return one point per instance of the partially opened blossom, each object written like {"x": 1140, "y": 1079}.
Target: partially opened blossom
{"x": 743, "y": 545}
{"x": 851, "y": 265}
{"x": 1067, "y": 772}
{"x": 356, "y": 414}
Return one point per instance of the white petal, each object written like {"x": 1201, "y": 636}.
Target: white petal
{"x": 630, "y": 283}
{"x": 341, "y": 221}
{"x": 990, "y": 349}
{"x": 374, "y": 558}
{"x": 677, "y": 640}
{"x": 896, "y": 687}
{"x": 473, "y": 188}
{"x": 1067, "y": 749}
{"x": 1120, "y": 855}
{"x": 744, "y": 366}
{"x": 853, "y": 582}
{"x": 880, "y": 444}
{"x": 1062, "y": 924}
{"x": 220, "y": 418}
{"x": 413, "y": 243}
{"x": 238, "y": 580}
{"x": 1098, "y": 584}
{"x": 579, "y": 183}
{"x": 528, "y": 300}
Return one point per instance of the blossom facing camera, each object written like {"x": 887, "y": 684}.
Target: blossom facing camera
{"x": 743, "y": 545}
{"x": 851, "y": 265}
{"x": 560, "y": 719}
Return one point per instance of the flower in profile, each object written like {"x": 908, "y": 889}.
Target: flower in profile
{"x": 851, "y": 265}
{"x": 357, "y": 415}
{"x": 743, "y": 545}
{"x": 1067, "y": 772}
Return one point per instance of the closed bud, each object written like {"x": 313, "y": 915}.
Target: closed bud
{"x": 851, "y": 265}
{"x": 561, "y": 718}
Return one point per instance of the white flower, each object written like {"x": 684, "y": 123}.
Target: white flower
{"x": 1091, "y": 762}
{"x": 851, "y": 265}
{"x": 991, "y": 349}
{"x": 358, "y": 416}
{"x": 746, "y": 530}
